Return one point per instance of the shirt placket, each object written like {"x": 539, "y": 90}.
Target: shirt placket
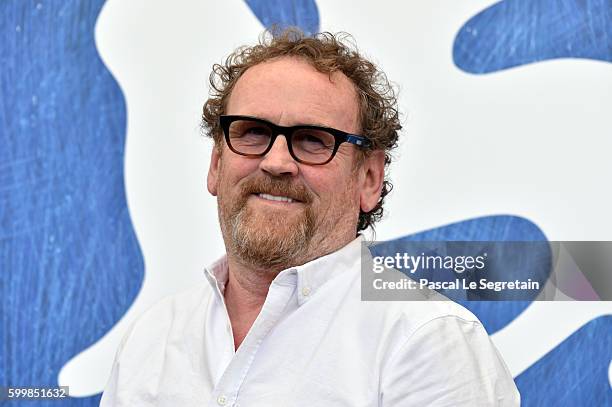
{"x": 227, "y": 391}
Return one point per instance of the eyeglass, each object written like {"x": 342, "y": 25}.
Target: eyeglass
{"x": 314, "y": 145}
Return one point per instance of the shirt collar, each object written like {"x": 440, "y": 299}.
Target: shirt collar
{"x": 217, "y": 274}
{"x": 309, "y": 277}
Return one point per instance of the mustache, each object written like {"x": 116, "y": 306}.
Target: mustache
{"x": 278, "y": 187}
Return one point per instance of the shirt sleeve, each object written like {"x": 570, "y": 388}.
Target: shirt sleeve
{"x": 110, "y": 395}
{"x": 448, "y": 361}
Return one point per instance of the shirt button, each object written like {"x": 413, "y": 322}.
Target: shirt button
{"x": 306, "y": 291}
{"x": 222, "y": 400}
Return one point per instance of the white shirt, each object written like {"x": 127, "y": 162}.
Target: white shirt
{"x": 314, "y": 343}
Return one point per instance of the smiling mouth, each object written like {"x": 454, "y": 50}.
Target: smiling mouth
{"x": 276, "y": 198}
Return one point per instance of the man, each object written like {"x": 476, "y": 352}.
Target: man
{"x": 302, "y": 129}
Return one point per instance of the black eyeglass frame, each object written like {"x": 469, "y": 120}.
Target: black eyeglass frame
{"x": 339, "y": 136}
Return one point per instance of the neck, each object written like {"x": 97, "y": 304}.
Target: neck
{"x": 245, "y": 294}
{"x": 247, "y": 287}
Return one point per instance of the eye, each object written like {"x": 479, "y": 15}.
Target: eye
{"x": 255, "y": 131}
{"x": 313, "y": 140}
{"x": 248, "y": 132}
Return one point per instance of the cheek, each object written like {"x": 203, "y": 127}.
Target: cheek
{"x": 233, "y": 168}
{"x": 334, "y": 188}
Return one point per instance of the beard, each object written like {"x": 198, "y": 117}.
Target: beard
{"x": 263, "y": 238}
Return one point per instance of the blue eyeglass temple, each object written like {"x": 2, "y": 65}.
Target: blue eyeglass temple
{"x": 357, "y": 140}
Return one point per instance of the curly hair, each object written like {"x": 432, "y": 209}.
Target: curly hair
{"x": 327, "y": 53}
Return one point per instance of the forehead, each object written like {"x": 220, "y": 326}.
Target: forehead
{"x": 290, "y": 91}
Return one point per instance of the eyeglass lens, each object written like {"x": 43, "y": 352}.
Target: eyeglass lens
{"x": 310, "y": 145}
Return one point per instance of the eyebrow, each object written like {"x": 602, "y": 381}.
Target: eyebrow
{"x": 312, "y": 123}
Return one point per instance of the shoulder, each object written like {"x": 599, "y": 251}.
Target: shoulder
{"x": 177, "y": 306}
{"x": 417, "y": 308}
{"x": 174, "y": 313}
{"x": 448, "y": 360}
{"x": 417, "y": 314}
{"x": 443, "y": 351}
{"x": 439, "y": 353}
{"x": 148, "y": 350}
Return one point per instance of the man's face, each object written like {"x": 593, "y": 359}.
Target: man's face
{"x": 326, "y": 198}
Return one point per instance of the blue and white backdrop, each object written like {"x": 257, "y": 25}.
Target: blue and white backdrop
{"x": 103, "y": 207}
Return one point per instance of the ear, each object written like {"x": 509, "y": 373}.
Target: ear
{"x": 213, "y": 170}
{"x": 373, "y": 175}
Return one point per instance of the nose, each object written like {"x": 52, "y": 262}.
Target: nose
{"x": 278, "y": 161}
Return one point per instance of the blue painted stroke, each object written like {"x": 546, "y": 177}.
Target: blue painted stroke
{"x": 518, "y": 32}
{"x": 287, "y": 13}
{"x": 494, "y": 314}
{"x": 69, "y": 261}
{"x": 575, "y": 373}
